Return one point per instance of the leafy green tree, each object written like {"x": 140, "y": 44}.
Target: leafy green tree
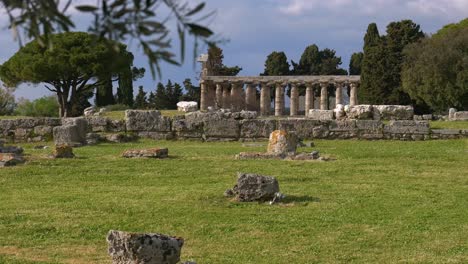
{"x": 399, "y": 35}
{"x": 43, "y": 107}
{"x": 75, "y": 63}
{"x": 310, "y": 62}
{"x": 355, "y": 64}
{"x": 176, "y": 96}
{"x": 382, "y": 63}
{"x": 276, "y": 64}
{"x": 152, "y": 104}
{"x": 161, "y": 97}
{"x": 435, "y": 71}
{"x": 215, "y": 63}
{"x": 451, "y": 27}
{"x": 118, "y": 20}
{"x": 140, "y": 99}
{"x": 192, "y": 93}
{"x": 7, "y": 101}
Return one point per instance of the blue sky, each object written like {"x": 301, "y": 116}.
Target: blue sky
{"x": 255, "y": 28}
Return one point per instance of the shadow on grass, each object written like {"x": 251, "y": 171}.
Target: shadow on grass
{"x": 300, "y": 199}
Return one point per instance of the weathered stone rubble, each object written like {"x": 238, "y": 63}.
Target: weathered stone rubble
{"x": 282, "y": 145}
{"x": 158, "y": 153}
{"x": 10, "y": 155}
{"x": 63, "y": 151}
{"x": 143, "y": 248}
{"x": 253, "y": 187}
{"x": 455, "y": 115}
{"x": 222, "y": 125}
{"x": 187, "y": 106}
{"x": 10, "y": 159}
{"x": 72, "y": 132}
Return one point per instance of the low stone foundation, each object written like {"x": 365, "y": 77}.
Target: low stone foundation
{"x": 227, "y": 126}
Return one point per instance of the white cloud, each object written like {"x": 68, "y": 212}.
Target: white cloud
{"x": 376, "y": 7}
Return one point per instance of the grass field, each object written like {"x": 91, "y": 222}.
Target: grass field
{"x": 379, "y": 202}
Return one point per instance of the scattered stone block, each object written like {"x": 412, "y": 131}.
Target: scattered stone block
{"x": 158, "y": 153}
{"x": 69, "y": 135}
{"x": 317, "y": 114}
{"x": 11, "y": 149}
{"x": 90, "y": 111}
{"x": 10, "y": 159}
{"x": 147, "y": 121}
{"x": 282, "y": 142}
{"x": 393, "y": 112}
{"x": 254, "y": 187}
{"x": 258, "y": 156}
{"x": 143, "y": 248}
{"x": 187, "y": 106}
{"x": 361, "y": 112}
{"x": 340, "y": 112}
{"x": 63, "y": 151}
{"x": 461, "y": 116}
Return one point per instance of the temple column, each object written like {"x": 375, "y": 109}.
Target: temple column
{"x": 211, "y": 95}
{"x": 219, "y": 96}
{"x": 236, "y": 97}
{"x": 279, "y": 100}
{"x": 353, "y": 94}
{"x": 265, "y": 101}
{"x": 294, "y": 100}
{"x": 203, "y": 96}
{"x": 226, "y": 97}
{"x": 309, "y": 98}
{"x": 339, "y": 94}
{"x": 250, "y": 97}
{"x": 324, "y": 96}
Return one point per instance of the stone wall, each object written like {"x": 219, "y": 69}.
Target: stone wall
{"x": 230, "y": 126}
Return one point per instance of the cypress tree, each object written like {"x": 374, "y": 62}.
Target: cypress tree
{"x": 104, "y": 95}
{"x": 125, "y": 89}
{"x": 355, "y": 64}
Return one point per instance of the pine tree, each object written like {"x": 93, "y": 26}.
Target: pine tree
{"x": 160, "y": 97}
{"x": 152, "y": 104}
{"x": 140, "y": 99}
{"x": 176, "y": 96}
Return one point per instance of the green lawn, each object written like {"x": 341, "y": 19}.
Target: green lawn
{"x": 449, "y": 125}
{"x": 379, "y": 202}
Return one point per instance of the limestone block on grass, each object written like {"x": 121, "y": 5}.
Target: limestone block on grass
{"x": 143, "y": 248}
{"x": 147, "y": 120}
{"x": 282, "y": 142}
{"x": 460, "y": 116}
{"x": 360, "y": 112}
{"x": 257, "y": 128}
{"x": 80, "y": 122}
{"x": 407, "y": 127}
{"x": 317, "y": 114}
{"x": 69, "y": 135}
{"x": 157, "y": 153}
{"x": 63, "y": 151}
{"x": 10, "y": 159}
{"x": 254, "y": 187}
{"x": 187, "y": 106}
{"x": 393, "y": 112}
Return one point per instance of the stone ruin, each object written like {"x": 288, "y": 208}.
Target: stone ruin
{"x": 157, "y": 153}
{"x": 63, "y": 151}
{"x": 282, "y": 145}
{"x": 10, "y": 155}
{"x": 254, "y": 187}
{"x": 187, "y": 106}
{"x": 455, "y": 115}
{"x": 149, "y": 248}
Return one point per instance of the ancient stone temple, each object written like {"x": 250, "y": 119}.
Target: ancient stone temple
{"x": 240, "y": 92}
